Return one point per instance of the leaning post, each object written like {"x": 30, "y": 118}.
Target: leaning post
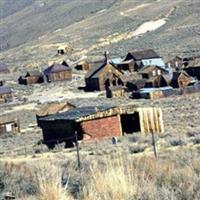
{"x": 77, "y": 150}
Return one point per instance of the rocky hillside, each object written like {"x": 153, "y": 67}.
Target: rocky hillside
{"x": 92, "y": 26}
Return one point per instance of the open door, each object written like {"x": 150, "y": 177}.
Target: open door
{"x": 130, "y": 123}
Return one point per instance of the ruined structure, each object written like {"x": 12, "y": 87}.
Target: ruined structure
{"x": 100, "y": 122}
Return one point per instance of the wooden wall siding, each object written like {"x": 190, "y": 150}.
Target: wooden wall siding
{"x": 184, "y": 81}
{"x": 151, "y": 119}
{"x": 14, "y": 125}
{"x": 6, "y": 98}
{"x": 102, "y": 128}
{"x": 66, "y": 75}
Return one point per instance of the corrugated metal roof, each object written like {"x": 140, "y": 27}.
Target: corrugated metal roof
{"x": 76, "y": 113}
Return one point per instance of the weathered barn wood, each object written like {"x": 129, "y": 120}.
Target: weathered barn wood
{"x": 182, "y": 79}
{"x": 100, "y": 122}
{"x": 9, "y": 124}
{"x": 31, "y": 77}
{"x": 152, "y": 71}
{"x": 58, "y": 72}
{"x": 64, "y": 49}
{"x": 6, "y": 94}
{"x": 176, "y": 62}
{"x": 102, "y": 76}
{"x": 156, "y": 82}
{"x": 112, "y": 92}
{"x": 83, "y": 66}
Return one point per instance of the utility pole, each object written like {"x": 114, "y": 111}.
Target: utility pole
{"x": 77, "y": 150}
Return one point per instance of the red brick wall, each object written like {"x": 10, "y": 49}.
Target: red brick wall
{"x": 101, "y": 128}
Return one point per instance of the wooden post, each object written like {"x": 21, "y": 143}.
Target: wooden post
{"x": 77, "y": 150}
{"x": 154, "y": 144}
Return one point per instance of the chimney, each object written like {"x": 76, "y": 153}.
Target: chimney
{"x": 106, "y": 54}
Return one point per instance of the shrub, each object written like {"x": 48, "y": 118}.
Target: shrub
{"x": 136, "y": 149}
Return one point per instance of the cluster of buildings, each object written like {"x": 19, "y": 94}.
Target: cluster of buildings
{"x": 144, "y": 74}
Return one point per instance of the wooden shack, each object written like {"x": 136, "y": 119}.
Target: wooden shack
{"x": 31, "y": 77}
{"x": 100, "y": 122}
{"x": 113, "y": 92}
{"x": 6, "y": 94}
{"x": 58, "y": 72}
{"x": 64, "y": 49}
{"x": 139, "y": 59}
{"x": 156, "y": 82}
{"x": 4, "y": 68}
{"x": 182, "y": 79}
{"x": 193, "y": 68}
{"x": 83, "y": 66}
{"x": 152, "y": 71}
{"x": 176, "y": 62}
{"x": 102, "y": 76}
{"x": 9, "y": 124}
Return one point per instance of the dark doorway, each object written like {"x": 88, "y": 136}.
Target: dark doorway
{"x": 130, "y": 123}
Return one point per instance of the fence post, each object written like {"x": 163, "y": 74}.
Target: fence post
{"x": 154, "y": 143}
{"x": 77, "y": 150}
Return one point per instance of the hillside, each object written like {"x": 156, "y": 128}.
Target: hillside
{"x": 93, "y": 26}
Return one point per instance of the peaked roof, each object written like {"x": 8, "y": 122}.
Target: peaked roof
{"x": 5, "y": 90}
{"x": 150, "y": 68}
{"x": 3, "y": 68}
{"x": 33, "y": 73}
{"x": 97, "y": 67}
{"x": 145, "y": 54}
{"x": 55, "y": 68}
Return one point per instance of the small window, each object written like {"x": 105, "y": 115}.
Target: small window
{"x": 159, "y": 72}
{"x": 154, "y": 73}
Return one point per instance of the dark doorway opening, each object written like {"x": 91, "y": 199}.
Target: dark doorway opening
{"x": 130, "y": 123}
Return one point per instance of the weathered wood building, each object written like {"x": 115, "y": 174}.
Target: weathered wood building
{"x": 31, "y": 77}
{"x": 6, "y": 94}
{"x": 193, "y": 68}
{"x": 182, "y": 79}
{"x": 9, "y": 124}
{"x": 176, "y": 62}
{"x": 102, "y": 76}
{"x": 100, "y": 122}
{"x": 139, "y": 59}
{"x": 152, "y": 71}
{"x": 58, "y": 72}
{"x": 83, "y": 66}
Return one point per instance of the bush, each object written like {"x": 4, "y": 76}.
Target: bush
{"x": 176, "y": 142}
{"x": 136, "y": 149}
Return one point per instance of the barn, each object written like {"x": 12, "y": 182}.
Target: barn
{"x": 58, "y": 72}
{"x": 31, "y": 77}
{"x": 103, "y": 75}
{"x": 8, "y": 124}
{"x": 140, "y": 59}
{"x": 6, "y": 94}
{"x": 96, "y": 123}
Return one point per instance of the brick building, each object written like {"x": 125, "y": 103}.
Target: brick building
{"x": 99, "y": 122}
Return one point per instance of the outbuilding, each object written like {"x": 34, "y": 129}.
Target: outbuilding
{"x": 58, "y": 72}
{"x": 31, "y": 77}
{"x": 9, "y": 124}
{"x": 6, "y": 94}
{"x": 96, "y": 123}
